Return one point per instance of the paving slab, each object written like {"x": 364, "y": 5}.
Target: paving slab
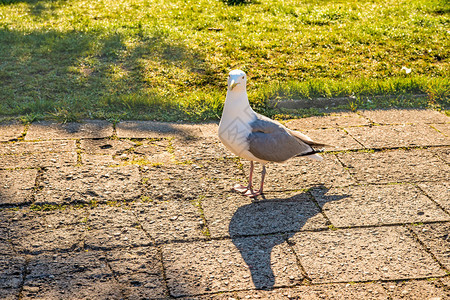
{"x": 301, "y": 292}
{"x": 123, "y": 160}
{"x": 125, "y": 152}
{"x": 6, "y": 215}
{"x": 9, "y": 293}
{"x": 224, "y": 265}
{"x": 88, "y": 183}
{"x": 38, "y": 147}
{"x": 121, "y": 230}
{"x": 189, "y": 181}
{"x": 395, "y": 166}
{"x": 445, "y": 281}
{"x": 363, "y": 254}
{"x": 373, "y": 205}
{"x": 157, "y": 159}
{"x": 232, "y": 214}
{"x": 127, "y": 159}
{"x": 5, "y": 247}
{"x": 105, "y": 146}
{"x": 437, "y": 239}
{"x": 209, "y": 129}
{"x": 405, "y": 116}
{"x": 62, "y": 238}
{"x": 406, "y": 135}
{"x": 99, "y": 160}
{"x": 168, "y": 221}
{"x": 337, "y": 138}
{"x": 337, "y": 120}
{"x": 11, "y": 130}
{"x": 39, "y": 231}
{"x": 152, "y": 129}
{"x": 11, "y": 274}
{"x": 169, "y": 193}
{"x": 64, "y": 216}
{"x": 173, "y": 184}
{"x": 36, "y": 160}
{"x": 150, "y": 152}
{"x": 355, "y": 291}
{"x": 25, "y": 230}
{"x": 300, "y": 173}
{"x": 218, "y": 296}
{"x": 49, "y": 130}
{"x": 316, "y": 292}
{"x": 139, "y": 271}
{"x": 417, "y": 290}
{"x": 152, "y": 147}
{"x": 17, "y": 186}
{"x": 73, "y": 275}
{"x": 442, "y": 128}
{"x": 48, "y": 264}
{"x": 439, "y": 192}
{"x": 443, "y": 153}
{"x": 199, "y": 148}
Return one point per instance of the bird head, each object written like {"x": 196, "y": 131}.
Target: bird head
{"x": 237, "y": 80}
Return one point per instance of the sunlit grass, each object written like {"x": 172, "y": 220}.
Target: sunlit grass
{"x": 168, "y": 60}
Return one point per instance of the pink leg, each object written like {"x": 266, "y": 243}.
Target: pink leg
{"x": 250, "y": 192}
{"x": 243, "y": 189}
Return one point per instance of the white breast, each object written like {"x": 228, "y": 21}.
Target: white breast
{"x": 234, "y": 129}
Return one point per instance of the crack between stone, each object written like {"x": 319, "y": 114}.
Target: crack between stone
{"x": 427, "y": 250}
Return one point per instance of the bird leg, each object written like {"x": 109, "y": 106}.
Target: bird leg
{"x": 244, "y": 189}
{"x": 250, "y": 192}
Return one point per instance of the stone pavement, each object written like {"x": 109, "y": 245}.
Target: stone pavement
{"x": 144, "y": 210}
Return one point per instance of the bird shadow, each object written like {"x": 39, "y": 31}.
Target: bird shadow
{"x": 256, "y": 228}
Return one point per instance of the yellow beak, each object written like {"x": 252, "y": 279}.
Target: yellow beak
{"x": 233, "y": 84}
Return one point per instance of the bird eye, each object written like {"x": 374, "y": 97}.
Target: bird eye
{"x": 243, "y": 77}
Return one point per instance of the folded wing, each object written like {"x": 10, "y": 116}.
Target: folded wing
{"x": 271, "y": 141}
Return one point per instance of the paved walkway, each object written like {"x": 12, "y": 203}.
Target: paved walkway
{"x": 144, "y": 210}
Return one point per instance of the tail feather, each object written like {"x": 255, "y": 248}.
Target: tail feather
{"x": 312, "y": 154}
{"x": 315, "y": 157}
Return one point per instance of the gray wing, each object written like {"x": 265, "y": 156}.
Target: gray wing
{"x": 270, "y": 141}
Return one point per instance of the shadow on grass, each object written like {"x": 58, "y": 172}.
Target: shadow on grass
{"x": 96, "y": 74}
{"x": 279, "y": 219}
{"x": 37, "y": 7}
{"x": 237, "y": 2}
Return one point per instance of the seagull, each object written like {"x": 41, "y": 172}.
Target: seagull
{"x": 255, "y": 137}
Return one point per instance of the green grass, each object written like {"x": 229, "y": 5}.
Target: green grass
{"x": 168, "y": 60}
